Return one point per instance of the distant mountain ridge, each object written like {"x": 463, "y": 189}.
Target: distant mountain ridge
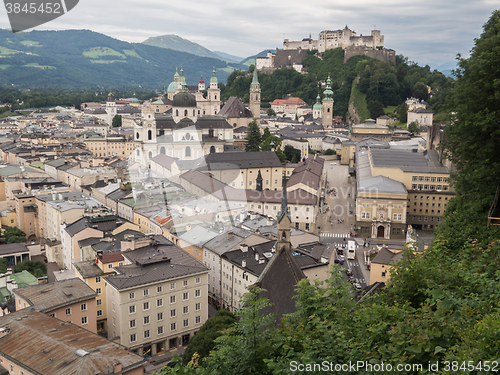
{"x": 177, "y": 43}
{"x": 83, "y": 58}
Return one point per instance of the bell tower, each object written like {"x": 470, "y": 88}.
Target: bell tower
{"x": 255, "y": 96}
{"x": 327, "y": 114}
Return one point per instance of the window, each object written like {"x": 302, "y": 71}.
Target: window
{"x": 110, "y": 266}
{"x": 198, "y": 319}
{"x": 98, "y": 279}
{"x": 185, "y": 309}
{"x": 84, "y": 320}
{"x": 397, "y": 217}
{"x": 83, "y": 307}
{"x": 197, "y": 293}
{"x": 159, "y": 316}
{"x": 159, "y": 302}
{"x": 68, "y": 311}
{"x": 159, "y": 289}
{"x": 98, "y": 290}
{"x": 172, "y": 299}
{"x": 185, "y": 323}
{"x": 131, "y": 309}
{"x": 160, "y": 330}
{"x": 383, "y": 274}
{"x": 365, "y": 215}
{"x": 197, "y": 280}
{"x": 145, "y": 292}
{"x": 133, "y": 337}
{"x": 145, "y": 306}
{"x": 185, "y": 296}
{"x": 197, "y": 306}
{"x": 98, "y": 302}
{"x": 131, "y": 323}
{"x": 172, "y": 286}
{"x": 131, "y": 295}
{"x": 173, "y": 326}
{"x": 99, "y": 312}
{"x": 184, "y": 283}
{"x": 146, "y": 334}
{"x": 146, "y": 320}
{"x": 173, "y": 313}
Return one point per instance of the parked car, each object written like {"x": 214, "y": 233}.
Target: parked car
{"x": 358, "y": 286}
{"x": 339, "y": 261}
{"x": 348, "y": 272}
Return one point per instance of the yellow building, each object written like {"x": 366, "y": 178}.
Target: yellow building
{"x": 381, "y": 265}
{"x": 370, "y": 129}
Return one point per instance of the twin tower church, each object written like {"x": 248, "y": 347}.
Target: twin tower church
{"x": 193, "y": 126}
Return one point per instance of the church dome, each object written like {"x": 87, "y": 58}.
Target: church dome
{"x": 173, "y": 86}
{"x": 184, "y": 99}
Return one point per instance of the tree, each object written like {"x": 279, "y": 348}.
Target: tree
{"x": 203, "y": 342}
{"x": 376, "y": 109}
{"x": 14, "y": 235}
{"x": 270, "y": 112}
{"x": 254, "y": 138}
{"x": 420, "y": 91}
{"x": 292, "y": 154}
{"x": 473, "y": 136}
{"x": 36, "y": 267}
{"x": 117, "y": 121}
{"x": 330, "y": 152}
{"x": 414, "y": 128}
{"x": 3, "y": 265}
{"x": 403, "y": 113}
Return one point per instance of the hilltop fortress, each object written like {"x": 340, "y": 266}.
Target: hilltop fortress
{"x": 294, "y": 52}
{"x": 345, "y": 38}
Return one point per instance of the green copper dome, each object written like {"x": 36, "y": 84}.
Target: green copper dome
{"x": 328, "y": 93}
{"x": 213, "y": 79}
{"x": 173, "y": 86}
{"x": 318, "y": 104}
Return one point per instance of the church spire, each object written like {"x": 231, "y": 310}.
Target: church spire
{"x": 255, "y": 80}
{"x": 284, "y": 201}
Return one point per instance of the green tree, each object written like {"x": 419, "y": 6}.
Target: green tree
{"x": 270, "y": 112}
{"x": 254, "y": 137}
{"x": 414, "y": 128}
{"x": 330, "y": 152}
{"x": 3, "y": 265}
{"x": 376, "y": 109}
{"x": 420, "y": 91}
{"x": 204, "y": 340}
{"x": 292, "y": 154}
{"x": 14, "y": 235}
{"x": 117, "y": 121}
{"x": 402, "y": 112}
{"x": 36, "y": 267}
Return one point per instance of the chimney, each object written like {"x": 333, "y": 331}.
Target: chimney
{"x": 229, "y": 235}
{"x": 243, "y": 263}
{"x": 257, "y": 257}
{"x": 244, "y": 248}
{"x": 117, "y": 367}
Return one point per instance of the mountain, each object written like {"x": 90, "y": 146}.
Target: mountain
{"x": 229, "y": 58}
{"x": 447, "y": 68}
{"x": 83, "y": 58}
{"x": 177, "y": 43}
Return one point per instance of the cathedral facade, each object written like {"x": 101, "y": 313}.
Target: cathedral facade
{"x": 185, "y": 134}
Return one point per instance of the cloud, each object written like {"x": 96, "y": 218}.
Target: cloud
{"x": 427, "y": 32}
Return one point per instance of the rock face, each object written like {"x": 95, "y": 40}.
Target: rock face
{"x": 353, "y": 114}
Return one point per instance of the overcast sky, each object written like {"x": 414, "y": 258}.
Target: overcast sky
{"x": 425, "y": 31}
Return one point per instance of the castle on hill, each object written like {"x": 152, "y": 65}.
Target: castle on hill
{"x": 294, "y": 52}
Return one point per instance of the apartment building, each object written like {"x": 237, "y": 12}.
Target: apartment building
{"x": 68, "y": 300}
{"x": 158, "y": 299}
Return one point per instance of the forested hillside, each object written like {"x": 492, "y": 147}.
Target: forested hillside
{"x": 440, "y": 312}
{"x": 83, "y": 59}
{"x": 383, "y": 83}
